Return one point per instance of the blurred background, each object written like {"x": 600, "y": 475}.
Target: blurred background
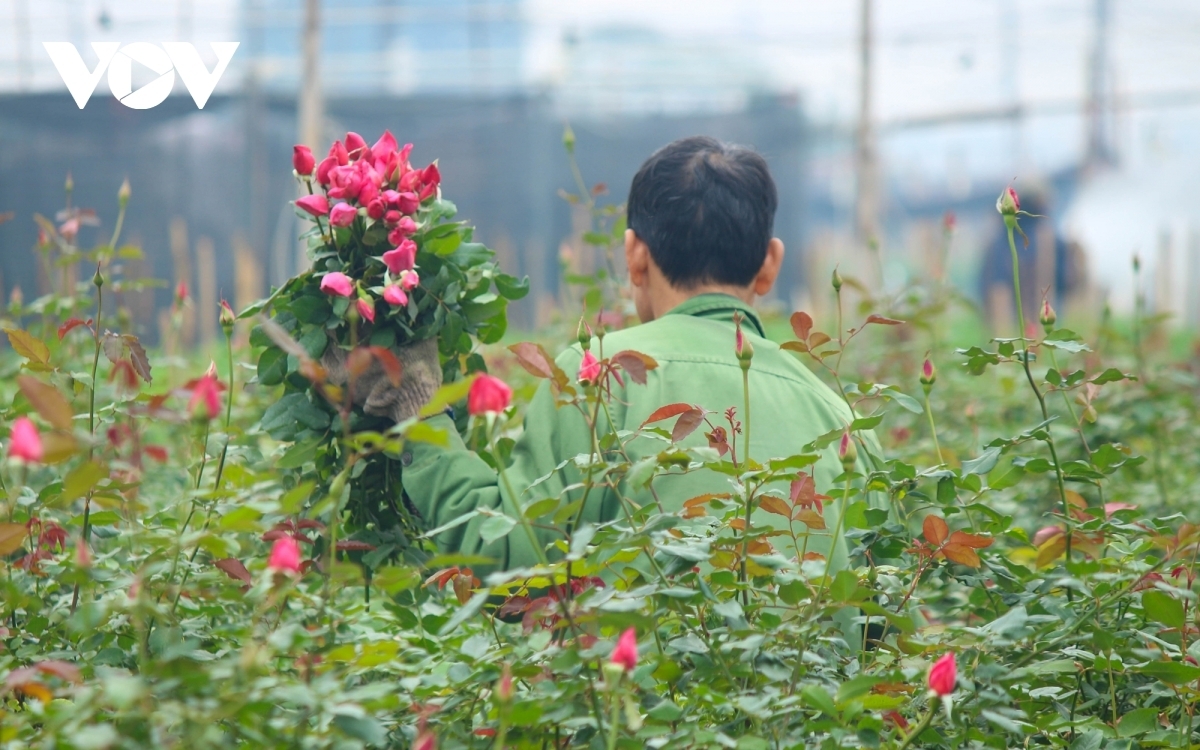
{"x": 890, "y": 128}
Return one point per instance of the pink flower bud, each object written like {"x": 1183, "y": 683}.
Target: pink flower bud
{"x": 316, "y": 205}
{"x": 366, "y": 310}
{"x": 847, "y": 451}
{"x": 1008, "y": 204}
{"x": 376, "y": 209}
{"x": 302, "y": 160}
{"x": 323, "y": 169}
{"x": 355, "y": 145}
{"x": 409, "y": 280}
{"x": 504, "y": 686}
{"x": 408, "y": 203}
{"x": 342, "y": 215}
{"x": 589, "y": 369}
{"x": 1048, "y": 317}
{"x": 928, "y": 373}
{"x": 385, "y": 145}
{"x": 338, "y": 284}
{"x": 25, "y": 442}
{"x": 285, "y": 556}
{"x": 181, "y": 292}
{"x": 425, "y": 741}
{"x": 339, "y": 153}
{"x": 395, "y": 296}
{"x": 228, "y": 317}
{"x": 206, "y": 394}
{"x": 626, "y": 652}
{"x": 83, "y": 556}
{"x": 488, "y": 395}
{"x": 402, "y": 257}
{"x": 943, "y": 675}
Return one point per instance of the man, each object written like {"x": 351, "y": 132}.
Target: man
{"x": 700, "y": 250}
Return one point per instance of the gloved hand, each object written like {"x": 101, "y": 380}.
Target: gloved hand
{"x": 420, "y": 378}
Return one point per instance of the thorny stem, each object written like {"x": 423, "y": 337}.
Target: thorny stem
{"x": 933, "y": 429}
{"x": 749, "y": 492}
{"x": 512, "y": 495}
{"x": 1010, "y": 223}
{"x": 916, "y": 732}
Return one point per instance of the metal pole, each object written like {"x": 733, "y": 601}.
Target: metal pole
{"x": 867, "y": 198}
{"x": 311, "y": 105}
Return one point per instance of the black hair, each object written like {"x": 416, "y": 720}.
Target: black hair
{"x": 706, "y": 210}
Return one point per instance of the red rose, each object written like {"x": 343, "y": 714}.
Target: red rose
{"x": 943, "y": 675}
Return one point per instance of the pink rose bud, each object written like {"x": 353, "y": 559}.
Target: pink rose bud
{"x": 285, "y": 556}
{"x": 949, "y": 221}
{"x": 392, "y": 218}
{"x": 402, "y": 257}
{"x": 339, "y": 152}
{"x": 409, "y": 280}
{"x": 583, "y": 333}
{"x": 589, "y": 369}
{"x": 181, "y": 292}
{"x": 391, "y": 197}
{"x": 316, "y": 205}
{"x": 83, "y": 556}
{"x": 25, "y": 442}
{"x": 847, "y": 452}
{"x": 342, "y": 215}
{"x": 206, "y": 395}
{"x": 395, "y": 296}
{"x": 406, "y": 225}
{"x": 338, "y": 284}
{"x": 425, "y": 741}
{"x": 943, "y": 675}
{"x": 626, "y": 652}
{"x": 504, "y": 686}
{"x": 302, "y": 160}
{"x": 376, "y": 209}
{"x": 355, "y": 145}
{"x": 366, "y": 310}
{"x": 385, "y": 145}
{"x": 1045, "y": 534}
{"x": 408, "y": 203}
{"x": 1008, "y": 204}
{"x": 369, "y": 191}
{"x": 324, "y": 168}
{"x": 928, "y": 374}
{"x": 488, "y": 395}
{"x": 1048, "y": 317}
{"x": 227, "y": 318}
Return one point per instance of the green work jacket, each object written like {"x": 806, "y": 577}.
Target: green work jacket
{"x": 694, "y": 347}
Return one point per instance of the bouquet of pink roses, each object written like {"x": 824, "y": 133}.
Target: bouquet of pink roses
{"x": 390, "y": 269}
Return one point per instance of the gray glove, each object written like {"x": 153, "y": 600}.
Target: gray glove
{"x": 373, "y": 390}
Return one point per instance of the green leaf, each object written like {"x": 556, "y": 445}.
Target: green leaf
{"x": 82, "y": 480}
{"x": 983, "y": 463}
{"x": 817, "y": 697}
{"x": 496, "y": 527}
{"x": 362, "y": 728}
{"x": 1171, "y": 672}
{"x": 467, "y": 611}
{"x": 1137, "y": 722}
{"x": 1162, "y": 607}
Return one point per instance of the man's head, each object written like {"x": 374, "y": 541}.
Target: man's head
{"x": 701, "y": 214}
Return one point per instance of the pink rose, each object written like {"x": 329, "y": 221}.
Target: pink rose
{"x": 395, "y": 296}
{"x": 25, "y": 442}
{"x": 338, "y": 284}
{"x": 402, "y": 257}
{"x": 408, "y": 203}
{"x": 369, "y": 191}
{"x": 206, "y": 392}
{"x": 316, "y": 205}
{"x": 355, "y": 145}
{"x": 323, "y": 169}
{"x": 376, "y": 209}
{"x": 626, "y": 653}
{"x": 943, "y": 675}
{"x": 409, "y": 280}
{"x": 385, "y": 145}
{"x": 366, "y": 310}
{"x": 342, "y": 215}
{"x": 302, "y": 160}
{"x": 589, "y": 369}
{"x": 285, "y": 556}
{"x": 488, "y": 395}
{"x": 338, "y": 151}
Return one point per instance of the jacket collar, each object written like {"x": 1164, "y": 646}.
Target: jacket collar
{"x": 719, "y": 307}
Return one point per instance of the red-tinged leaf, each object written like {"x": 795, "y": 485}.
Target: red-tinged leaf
{"x": 48, "y": 402}
{"x": 881, "y": 320}
{"x": 1052, "y": 549}
{"x": 666, "y": 412}
{"x": 635, "y": 363}
{"x": 442, "y": 576}
{"x": 687, "y": 424}
{"x": 696, "y": 511}
{"x": 391, "y": 366}
{"x": 60, "y": 669}
{"x": 719, "y": 441}
{"x": 962, "y": 554}
{"x": 28, "y": 346}
{"x": 309, "y": 523}
{"x": 738, "y": 523}
{"x": 772, "y": 504}
{"x": 802, "y": 324}
{"x": 464, "y": 588}
{"x": 157, "y": 452}
{"x": 818, "y": 339}
{"x": 975, "y": 541}
{"x": 234, "y": 568}
{"x": 36, "y": 690}
{"x": 813, "y": 556}
{"x": 11, "y": 537}
{"x": 811, "y": 519}
{"x": 71, "y": 325}
{"x": 795, "y": 346}
{"x": 935, "y": 530}
{"x": 514, "y": 605}
{"x": 533, "y": 358}
{"x": 137, "y": 356}
{"x": 353, "y": 545}
{"x": 113, "y": 346}
{"x": 123, "y": 373}
{"x": 275, "y": 534}
{"x": 705, "y": 499}
{"x": 803, "y": 490}
{"x": 358, "y": 362}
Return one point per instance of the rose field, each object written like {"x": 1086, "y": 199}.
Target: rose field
{"x": 213, "y": 549}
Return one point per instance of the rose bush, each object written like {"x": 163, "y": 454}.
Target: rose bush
{"x": 183, "y": 566}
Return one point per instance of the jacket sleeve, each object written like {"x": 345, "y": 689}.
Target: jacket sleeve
{"x": 447, "y": 483}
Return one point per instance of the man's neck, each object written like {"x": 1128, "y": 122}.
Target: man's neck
{"x": 664, "y": 298}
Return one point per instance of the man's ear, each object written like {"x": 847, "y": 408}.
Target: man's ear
{"x": 772, "y": 263}
{"x": 637, "y": 258}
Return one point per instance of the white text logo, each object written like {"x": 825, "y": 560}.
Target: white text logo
{"x": 178, "y": 57}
